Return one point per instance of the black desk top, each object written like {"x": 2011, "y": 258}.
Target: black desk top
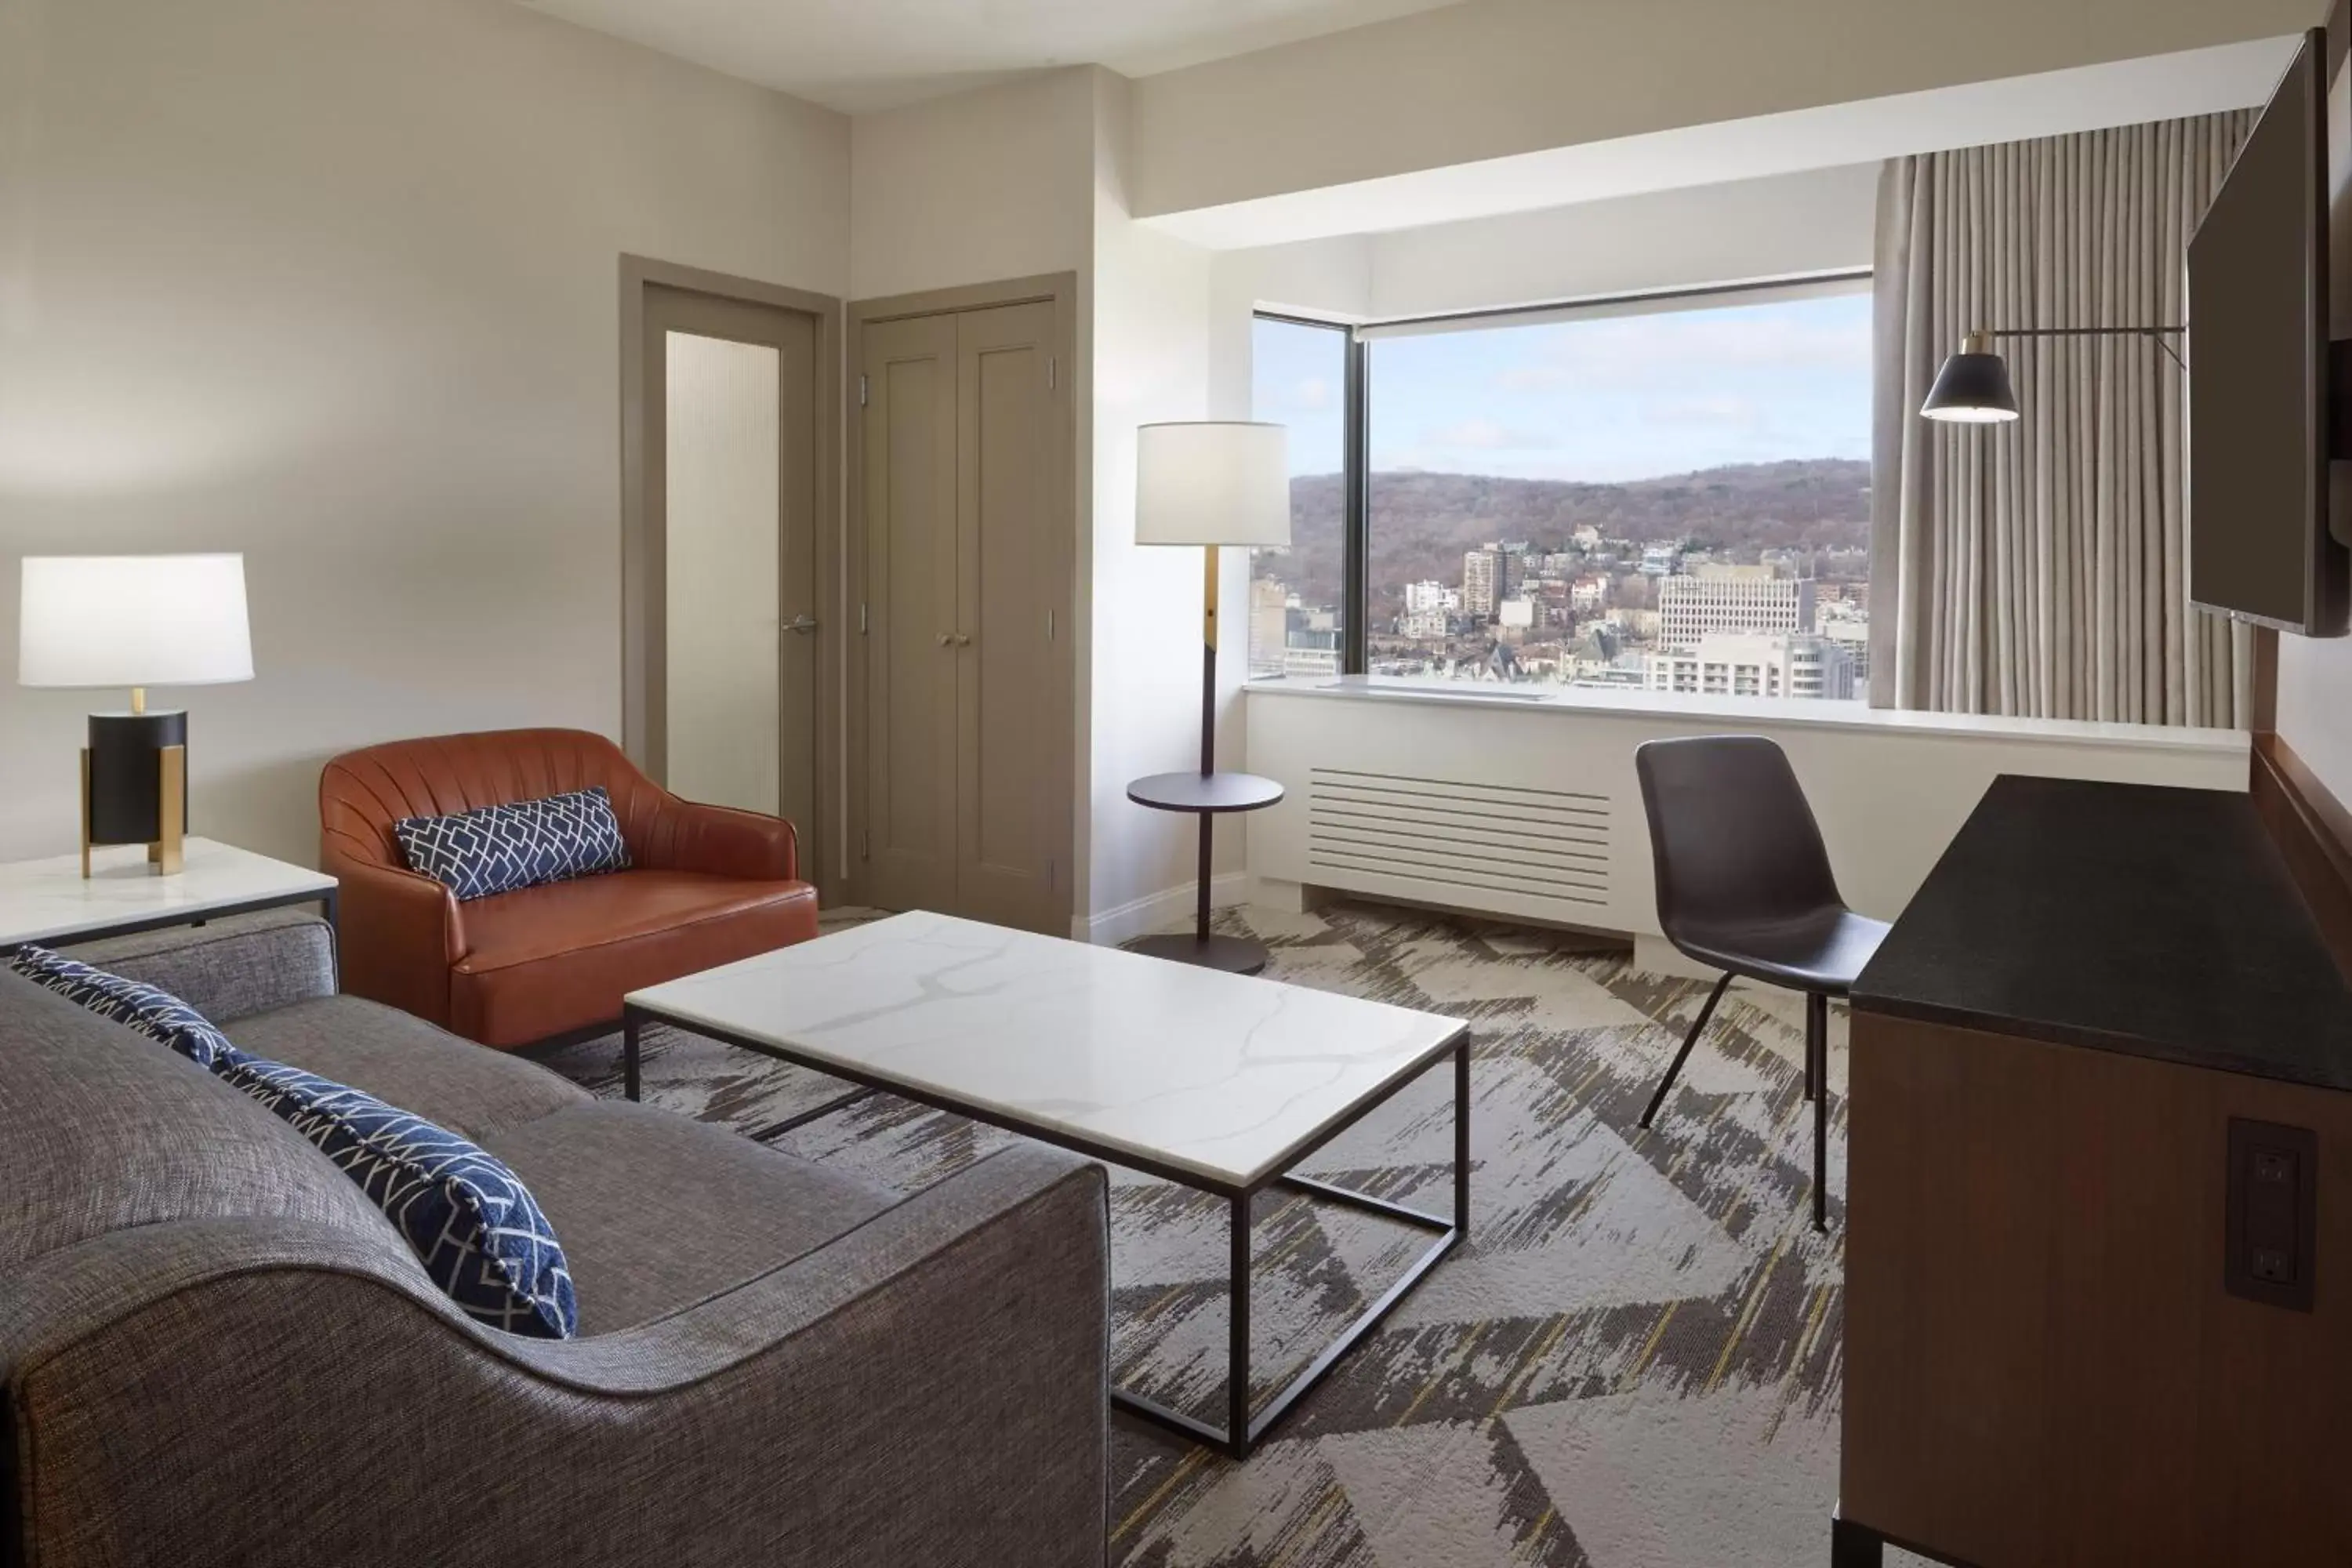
{"x": 1209, "y": 793}
{"x": 2159, "y": 923}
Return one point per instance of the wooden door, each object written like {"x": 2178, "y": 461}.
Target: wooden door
{"x": 906, "y": 751}
{"x": 1012, "y": 703}
{"x": 731, "y": 402}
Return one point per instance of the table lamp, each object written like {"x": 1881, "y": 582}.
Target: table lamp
{"x": 1209, "y": 483}
{"x": 134, "y": 621}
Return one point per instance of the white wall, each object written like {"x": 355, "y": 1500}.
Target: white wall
{"x": 1788, "y": 224}
{"x": 335, "y": 283}
{"x": 1499, "y": 78}
{"x": 1151, "y": 358}
{"x": 2315, "y": 706}
{"x": 984, "y": 186}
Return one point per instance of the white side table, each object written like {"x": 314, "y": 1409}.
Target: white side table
{"x": 51, "y": 900}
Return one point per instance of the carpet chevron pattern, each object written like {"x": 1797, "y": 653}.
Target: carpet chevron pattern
{"x": 1632, "y": 1362}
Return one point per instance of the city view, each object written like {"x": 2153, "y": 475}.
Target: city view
{"x": 1674, "y": 501}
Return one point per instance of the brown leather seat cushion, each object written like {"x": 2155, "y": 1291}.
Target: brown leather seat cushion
{"x": 549, "y": 960}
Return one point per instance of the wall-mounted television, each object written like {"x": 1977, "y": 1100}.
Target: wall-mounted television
{"x": 2261, "y": 542}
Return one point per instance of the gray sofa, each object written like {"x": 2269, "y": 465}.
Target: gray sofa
{"x": 214, "y": 1349}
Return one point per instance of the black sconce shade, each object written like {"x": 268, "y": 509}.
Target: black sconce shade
{"x": 1973, "y": 386}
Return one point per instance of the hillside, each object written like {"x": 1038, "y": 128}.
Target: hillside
{"x": 1422, "y": 523}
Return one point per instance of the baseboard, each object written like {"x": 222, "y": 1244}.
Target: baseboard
{"x": 2313, "y": 831}
{"x": 1158, "y": 911}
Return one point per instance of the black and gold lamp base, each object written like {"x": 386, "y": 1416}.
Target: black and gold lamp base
{"x": 134, "y": 785}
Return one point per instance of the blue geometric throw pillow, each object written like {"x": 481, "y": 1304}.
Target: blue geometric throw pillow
{"x": 500, "y": 849}
{"x": 469, "y": 1218}
{"x": 157, "y": 1014}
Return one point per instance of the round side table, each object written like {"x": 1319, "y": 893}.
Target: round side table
{"x": 1207, "y": 796}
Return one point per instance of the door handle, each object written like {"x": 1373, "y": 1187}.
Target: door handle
{"x": 946, "y": 638}
{"x": 963, "y": 640}
{"x": 805, "y": 625}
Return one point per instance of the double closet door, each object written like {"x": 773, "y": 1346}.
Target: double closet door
{"x": 965, "y": 717}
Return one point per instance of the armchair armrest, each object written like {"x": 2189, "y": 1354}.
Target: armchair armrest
{"x": 399, "y": 935}
{"x": 930, "y": 1387}
{"x": 721, "y": 841}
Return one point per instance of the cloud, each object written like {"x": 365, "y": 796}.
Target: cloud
{"x": 1310, "y": 395}
{"x": 1741, "y": 412}
{"x": 1487, "y": 435}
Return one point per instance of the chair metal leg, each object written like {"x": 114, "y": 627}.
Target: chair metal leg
{"x": 1674, "y": 1070}
{"x": 1812, "y": 1084}
{"x": 1817, "y": 1069}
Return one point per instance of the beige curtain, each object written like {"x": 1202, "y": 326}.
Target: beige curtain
{"x": 2040, "y": 567}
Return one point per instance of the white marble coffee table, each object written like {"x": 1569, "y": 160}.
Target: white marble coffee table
{"x": 1218, "y": 1082}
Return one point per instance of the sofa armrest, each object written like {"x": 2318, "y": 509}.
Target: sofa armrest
{"x": 930, "y": 1387}
{"x": 400, "y": 933}
{"x": 721, "y": 841}
{"x": 227, "y": 968}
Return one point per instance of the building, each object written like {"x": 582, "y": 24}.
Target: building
{"x": 1269, "y": 625}
{"x": 1427, "y": 626}
{"x": 1300, "y": 662}
{"x": 1732, "y": 599}
{"x": 1852, "y": 633}
{"x": 1490, "y": 574}
{"x": 1747, "y": 664}
{"x": 1587, "y": 594}
{"x": 1431, "y": 595}
{"x": 1661, "y": 560}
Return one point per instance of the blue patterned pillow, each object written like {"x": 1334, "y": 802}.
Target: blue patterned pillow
{"x": 469, "y": 1219}
{"x": 501, "y": 849}
{"x": 157, "y": 1014}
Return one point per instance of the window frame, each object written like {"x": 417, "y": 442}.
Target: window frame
{"x": 1355, "y": 479}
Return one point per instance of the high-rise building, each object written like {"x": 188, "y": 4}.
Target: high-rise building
{"x": 1269, "y": 626}
{"x": 1749, "y": 664}
{"x": 1490, "y": 574}
{"x": 1732, "y": 599}
{"x": 1431, "y": 595}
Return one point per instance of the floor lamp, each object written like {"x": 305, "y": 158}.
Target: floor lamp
{"x": 1209, "y": 483}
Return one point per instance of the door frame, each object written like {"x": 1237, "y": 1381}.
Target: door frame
{"x": 643, "y": 554}
{"x": 1059, "y": 289}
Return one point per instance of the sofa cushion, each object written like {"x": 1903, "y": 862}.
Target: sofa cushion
{"x": 549, "y": 960}
{"x": 470, "y": 1220}
{"x": 494, "y": 849}
{"x": 229, "y": 967}
{"x": 102, "y": 1130}
{"x": 658, "y": 1211}
{"x": 156, "y": 1014}
{"x": 407, "y": 1062}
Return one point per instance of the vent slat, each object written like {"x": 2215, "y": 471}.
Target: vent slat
{"x": 1528, "y": 844}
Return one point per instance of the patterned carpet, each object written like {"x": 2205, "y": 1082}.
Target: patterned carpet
{"x": 1632, "y": 1362}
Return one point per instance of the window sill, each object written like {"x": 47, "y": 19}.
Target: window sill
{"x": 1768, "y": 712}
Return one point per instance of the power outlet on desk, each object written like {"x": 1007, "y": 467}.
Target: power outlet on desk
{"x": 2273, "y": 1213}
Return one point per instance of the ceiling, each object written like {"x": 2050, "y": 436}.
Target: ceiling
{"x": 858, "y": 56}
{"x": 2051, "y": 103}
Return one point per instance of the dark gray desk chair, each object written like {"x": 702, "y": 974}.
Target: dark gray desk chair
{"x": 1744, "y": 886}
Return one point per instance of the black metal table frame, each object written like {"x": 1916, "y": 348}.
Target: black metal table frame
{"x": 1242, "y": 1430}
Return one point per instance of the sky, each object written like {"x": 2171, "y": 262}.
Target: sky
{"x": 1605, "y": 399}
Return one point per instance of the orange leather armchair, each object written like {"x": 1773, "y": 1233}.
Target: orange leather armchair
{"x": 707, "y": 884}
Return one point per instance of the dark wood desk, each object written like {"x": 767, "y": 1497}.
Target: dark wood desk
{"x": 2042, "y": 1362}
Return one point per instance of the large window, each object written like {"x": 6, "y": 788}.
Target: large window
{"x": 1664, "y": 494}
{"x": 1297, "y": 622}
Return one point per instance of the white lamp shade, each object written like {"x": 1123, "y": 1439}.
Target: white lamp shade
{"x": 133, "y": 620}
{"x": 1213, "y": 483}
